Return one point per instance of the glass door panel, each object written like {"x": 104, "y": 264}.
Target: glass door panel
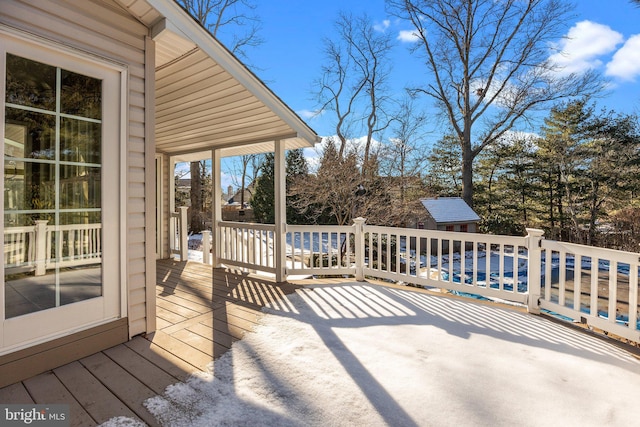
{"x": 52, "y": 180}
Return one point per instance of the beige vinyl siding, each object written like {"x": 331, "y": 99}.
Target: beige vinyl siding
{"x": 166, "y": 214}
{"x": 104, "y": 28}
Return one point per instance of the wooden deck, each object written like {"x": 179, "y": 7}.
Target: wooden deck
{"x": 196, "y": 322}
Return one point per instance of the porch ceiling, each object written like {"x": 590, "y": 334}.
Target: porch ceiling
{"x": 205, "y": 98}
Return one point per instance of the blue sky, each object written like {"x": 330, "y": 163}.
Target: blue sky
{"x": 604, "y": 35}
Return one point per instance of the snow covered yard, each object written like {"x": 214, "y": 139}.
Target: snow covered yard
{"x": 358, "y": 354}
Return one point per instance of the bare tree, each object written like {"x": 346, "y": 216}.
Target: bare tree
{"x": 244, "y": 170}
{"x": 353, "y": 80}
{"x": 404, "y": 158}
{"x": 329, "y": 195}
{"x": 233, "y": 22}
{"x": 491, "y": 65}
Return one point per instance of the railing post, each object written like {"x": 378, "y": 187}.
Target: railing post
{"x": 184, "y": 244}
{"x": 206, "y": 247}
{"x": 40, "y": 237}
{"x": 534, "y": 269}
{"x": 358, "y": 224}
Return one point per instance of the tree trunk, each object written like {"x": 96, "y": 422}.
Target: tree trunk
{"x": 467, "y": 174}
{"x": 195, "y": 215}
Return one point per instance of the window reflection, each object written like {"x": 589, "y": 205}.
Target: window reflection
{"x": 30, "y": 83}
{"x": 81, "y": 95}
{"x": 79, "y": 187}
{"x": 30, "y": 135}
{"x": 52, "y": 187}
{"x": 79, "y": 141}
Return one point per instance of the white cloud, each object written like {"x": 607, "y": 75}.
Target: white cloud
{"x": 408, "y": 36}
{"x": 308, "y": 114}
{"x": 626, "y": 61}
{"x": 584, "y": 45}
{"x": 383, "y": 26}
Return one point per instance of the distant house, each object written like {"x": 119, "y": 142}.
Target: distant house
{"x": 233, "y": 210}
{"x": 449, "y": 214}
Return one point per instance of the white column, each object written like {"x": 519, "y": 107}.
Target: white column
{"x": 280, "y": 204}
{"x": 534, "y": 268}
{"x": 184, "y": 234}
{"x": 358, "y": 224}
{"x": 172, "y": 204}
{"x": 216, "y": 206}
{"x": 206, "y": 246}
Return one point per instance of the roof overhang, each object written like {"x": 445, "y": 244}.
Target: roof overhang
{"x": 205, "y": 97}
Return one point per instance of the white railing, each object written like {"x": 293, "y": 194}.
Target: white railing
{"x": 42, "y": 246}
{"x": 179, "y": 243}
{"x": 541, "y": 274}
{"x": 478, "y": 264}
{"x": 590, "y": 285}
{"x": 20, "y": 247}
{"x": 246, "y": 245}
{"x": 321, "y": 250}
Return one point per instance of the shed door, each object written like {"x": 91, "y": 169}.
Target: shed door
{"x": 60, "y": 180}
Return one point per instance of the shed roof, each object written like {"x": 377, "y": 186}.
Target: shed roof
{"x": 205, "y": 97}
{"x": 449, "y": 209}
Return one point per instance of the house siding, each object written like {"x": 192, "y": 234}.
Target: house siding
{"x": 103, "y": 28}
{"x": 167, "y": 173}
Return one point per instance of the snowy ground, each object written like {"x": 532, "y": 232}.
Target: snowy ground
{"x": 356, "y": 354}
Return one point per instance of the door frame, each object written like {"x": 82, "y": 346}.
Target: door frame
{"x": 112, "y": 304}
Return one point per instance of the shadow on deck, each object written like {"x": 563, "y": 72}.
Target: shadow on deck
{"x": 198, "y": 319}
{"x": 200, "y": 315}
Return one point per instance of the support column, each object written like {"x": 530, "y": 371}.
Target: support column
{"x": 358, "y": 224}
{"x": 184, "y": 234}
{"x": 172, "y": 204}
{"x": 216, "y": 206}
{"x": 534, "y": 269}
{"x": 206, "y": 247}
{"x": 280, "y": 205}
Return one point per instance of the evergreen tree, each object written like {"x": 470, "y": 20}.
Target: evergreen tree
{"x": 263, "y": 198}
{"x": 560, "y": 161}
{"x": 297, "y": 175}
{"x": 444, "y": 172}
{"x": 503, "y": 196}
{"x": 610, "y": 175}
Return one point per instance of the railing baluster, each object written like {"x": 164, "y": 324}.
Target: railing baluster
{"x": 487, "y": 263}
{"x": 562, "y": 278}
{"x": 613, "y": 291}
{"x": 463, "y": 262}
{"x": 514, "y": 250}
{"x": 577, "y": 282}
{"x": 501, "y": 267}
{"x": 439, "y": 255}
{"x": 595, "y": 273}
{"x": 633, "y": 296}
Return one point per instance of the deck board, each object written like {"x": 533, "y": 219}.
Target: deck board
{"x": 200, "y": 313}
{"x": 128, "y": 389}
{"x": 163, "y": 359}
{"x": 94, "y": 396}
{"x": 47, "y": 389}
{"x": 15, "y": 393}
{"x": 144, "y": 370}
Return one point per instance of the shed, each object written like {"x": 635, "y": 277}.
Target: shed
{"x": 449, "y": 214}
